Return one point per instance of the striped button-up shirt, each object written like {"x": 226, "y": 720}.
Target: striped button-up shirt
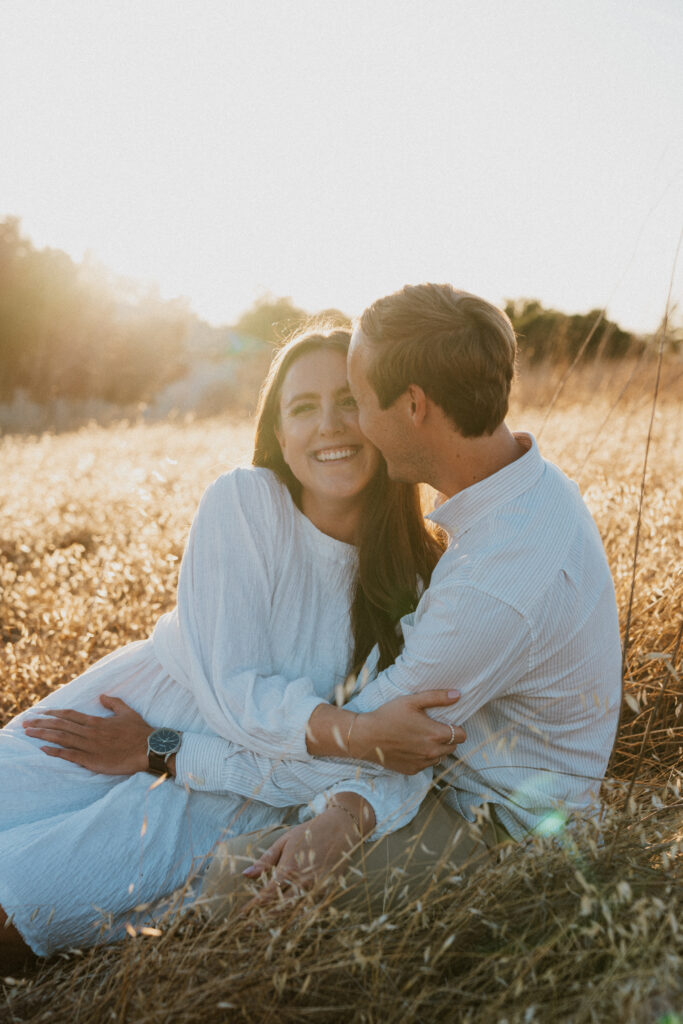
{"x": 520, "y": 617}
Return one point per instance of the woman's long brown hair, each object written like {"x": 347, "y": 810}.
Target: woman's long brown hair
{"x": 396, "y": 550}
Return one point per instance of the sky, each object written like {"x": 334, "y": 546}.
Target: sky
{"x": 334, "y": 150}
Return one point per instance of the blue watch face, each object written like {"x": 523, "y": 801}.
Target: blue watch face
{"x": 164, "y": 741}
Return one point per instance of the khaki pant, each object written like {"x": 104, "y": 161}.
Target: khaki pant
{"x": 401, "y": 866}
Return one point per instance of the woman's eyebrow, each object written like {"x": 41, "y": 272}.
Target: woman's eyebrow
{"x": 302, "y": 395}
{"x": 313, "y": 394}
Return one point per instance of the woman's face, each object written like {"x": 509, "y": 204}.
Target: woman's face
{"x": 319, "y": 434}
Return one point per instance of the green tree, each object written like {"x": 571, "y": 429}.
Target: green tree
{"x": 548, "y": 334}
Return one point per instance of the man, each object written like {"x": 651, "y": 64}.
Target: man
{"x": 520, "y": 616}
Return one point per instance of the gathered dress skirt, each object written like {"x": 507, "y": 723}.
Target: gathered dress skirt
{"x": 79, "y": 850}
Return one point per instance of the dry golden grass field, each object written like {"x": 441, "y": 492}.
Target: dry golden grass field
{"x": 92, "y": 527}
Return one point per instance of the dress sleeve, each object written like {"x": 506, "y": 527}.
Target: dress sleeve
{"x": 216, "y": 641}
{"x": 211, "y": 764}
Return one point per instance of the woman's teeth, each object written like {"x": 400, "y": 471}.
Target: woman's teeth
{"x": 333, "y": 454}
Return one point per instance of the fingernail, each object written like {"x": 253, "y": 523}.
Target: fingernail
{"x": 454, "y": 693}
{"x": 251, "y": 870}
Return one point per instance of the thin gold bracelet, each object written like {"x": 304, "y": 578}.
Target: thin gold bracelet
{"x": 352, "y": 816}
{"x": 348, "y": 735}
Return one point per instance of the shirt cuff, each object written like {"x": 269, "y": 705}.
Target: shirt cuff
{"x": 199, "y": 762}
{"x": 383, "y": 794}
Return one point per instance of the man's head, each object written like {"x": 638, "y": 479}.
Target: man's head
{"x": 430, "y": 344}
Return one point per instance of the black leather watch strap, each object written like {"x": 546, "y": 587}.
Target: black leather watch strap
{"x": 157, "y": 764}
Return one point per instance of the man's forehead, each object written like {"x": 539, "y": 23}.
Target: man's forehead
{"x": 357, "y": 339}
{"x": 356, "y": 357}
{"x": 359, "y": 347}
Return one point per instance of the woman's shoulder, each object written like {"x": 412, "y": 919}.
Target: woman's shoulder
{"x": 252, "y": 489}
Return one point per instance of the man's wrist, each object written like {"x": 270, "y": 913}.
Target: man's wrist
{"x": 162, "y": 745}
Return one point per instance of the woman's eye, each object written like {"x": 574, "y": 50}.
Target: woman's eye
{"x": 349, "y": 402}
{"x": 297, "y": 410}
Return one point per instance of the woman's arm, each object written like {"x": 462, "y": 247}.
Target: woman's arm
{"x": 399, "y": 735}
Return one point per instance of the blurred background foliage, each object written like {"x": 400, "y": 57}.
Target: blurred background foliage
{"x": 548, "y": 334}
{"x": 76, "y": 342}
{"x": 65, "y": 333}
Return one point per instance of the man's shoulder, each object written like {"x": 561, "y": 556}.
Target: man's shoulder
{"x": 516, "y": 551}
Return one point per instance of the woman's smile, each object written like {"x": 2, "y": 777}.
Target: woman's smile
{"x": 336, "y": 454}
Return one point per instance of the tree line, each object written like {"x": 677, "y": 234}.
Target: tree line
{"x": 543, "y": 334}
{"x": 71, "y": 331}
{"x": 546, "y": 334}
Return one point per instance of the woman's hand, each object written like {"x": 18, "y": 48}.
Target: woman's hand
{"x": 402, "y": 737}
{"x": 116, "y": 745}
{"x": 306, "y": 854}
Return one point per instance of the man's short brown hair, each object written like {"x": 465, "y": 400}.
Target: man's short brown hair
{"x": 458, "y": 348}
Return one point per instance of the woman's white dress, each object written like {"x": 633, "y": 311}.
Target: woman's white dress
{"x": 260, "y": 636}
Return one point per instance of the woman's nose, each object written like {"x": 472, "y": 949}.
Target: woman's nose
{"x": 331, "y": 420}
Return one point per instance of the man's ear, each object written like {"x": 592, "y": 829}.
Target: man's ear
{"x": 417, "y": 404}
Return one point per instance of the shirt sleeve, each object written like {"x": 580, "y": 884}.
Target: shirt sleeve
{"x": 216, "y": 642}
{"x": 463, "y": 639}
{"x": 212, "y": 764}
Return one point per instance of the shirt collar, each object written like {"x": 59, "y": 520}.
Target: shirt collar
{"x": 460, "y": 512}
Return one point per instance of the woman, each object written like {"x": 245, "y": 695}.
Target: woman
{"x": 264, "y": 596}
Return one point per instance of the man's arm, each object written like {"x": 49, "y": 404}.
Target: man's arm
{"x": 463, "y": 640}
{"x": 211, "y": 764}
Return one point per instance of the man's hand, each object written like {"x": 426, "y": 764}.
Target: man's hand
{"x": 116, "y": 745}
{"x": 307, "y": 854}
{"x": 402, "y": 737}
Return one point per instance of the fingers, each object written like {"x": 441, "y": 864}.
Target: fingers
{"x": 435, "y": 698}
{"x": 452, "y": 735}
{"x": 114, "y": 704}
{"x": 280, "y": 886}
{"x": 66, "y": 715}
{"x": 65, "y": 755}
{"x": 267, "y": 860}
{"x": 67, "y": 728}
{"x": 280, "y": 891}
{"x": 65, "y": 737}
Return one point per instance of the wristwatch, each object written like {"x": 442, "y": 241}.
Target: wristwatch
{"x": 160, "y": 745}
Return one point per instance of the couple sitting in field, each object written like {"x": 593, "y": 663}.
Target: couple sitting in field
{"x": 313, "y": 564}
